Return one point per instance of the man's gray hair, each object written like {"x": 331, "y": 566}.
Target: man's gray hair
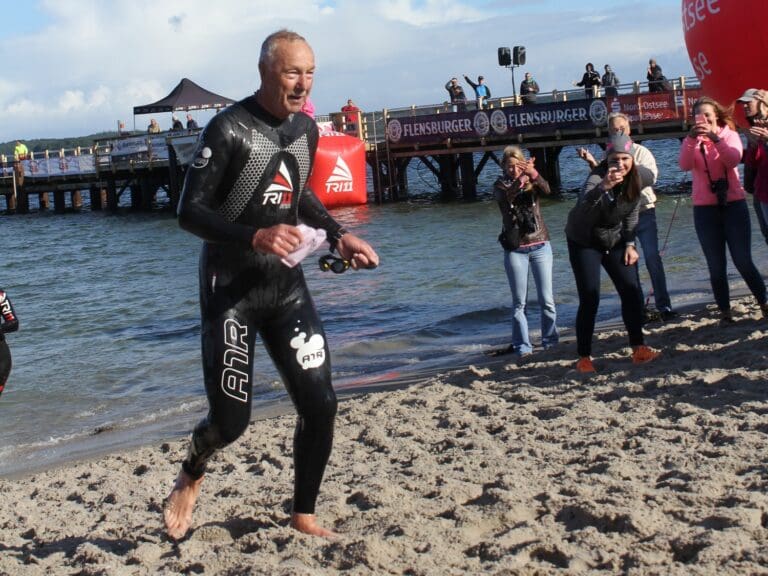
{"x": 271, "y": 41}
{"x": 614, "y": 115}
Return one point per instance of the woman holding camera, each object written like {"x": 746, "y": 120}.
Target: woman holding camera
{"x": 525, "y": 240}
{"x": 601, "y": 233}
{"x": 712, "y": 151}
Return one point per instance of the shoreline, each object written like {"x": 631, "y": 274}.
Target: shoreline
{"x": 498, "y": 466}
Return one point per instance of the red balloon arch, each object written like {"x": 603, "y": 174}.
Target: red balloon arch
{"x": 727, "y": 43}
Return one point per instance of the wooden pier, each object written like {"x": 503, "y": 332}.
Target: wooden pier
{"x": 445, "y": 140}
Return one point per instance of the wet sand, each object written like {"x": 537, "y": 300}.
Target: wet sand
{"x": 497, "y": 467}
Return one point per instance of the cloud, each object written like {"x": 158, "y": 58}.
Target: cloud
{"x": 97, "y": 60}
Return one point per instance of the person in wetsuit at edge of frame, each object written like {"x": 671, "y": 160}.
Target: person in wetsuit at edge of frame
{"x": 244, "y": 194}
{"x": 10, "y": 323}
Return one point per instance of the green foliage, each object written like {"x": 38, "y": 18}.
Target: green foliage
{"x": 55, "y": 144}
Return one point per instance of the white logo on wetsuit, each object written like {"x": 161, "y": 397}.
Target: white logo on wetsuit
{"x": 202, "y": 160}
{"x": 340, "y": 179}
{"x": 280, "y": 192}
{"x": 311, "y": 353}
{"x": 234, "y": 378}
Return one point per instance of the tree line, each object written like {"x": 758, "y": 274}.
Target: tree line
{"x": 42, "y": 144}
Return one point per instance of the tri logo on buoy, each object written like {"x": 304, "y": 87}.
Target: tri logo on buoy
{"x": 340, "y": 179}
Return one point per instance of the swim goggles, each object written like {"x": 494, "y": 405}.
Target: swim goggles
{"x": 334, "y": 264}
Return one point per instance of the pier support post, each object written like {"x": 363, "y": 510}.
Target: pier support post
{"x": 43, "y": 201}
{"x": 59, "y": 201}
{"x": 77, "y": 200}
{"x": 548, "y": 163}
{"x": 96, "y": 201}
{"x": 449, "y": 185}
{"x": 111, "y": 195}
{"x": 468, "y": 184}
{"x": 22, "y": 201}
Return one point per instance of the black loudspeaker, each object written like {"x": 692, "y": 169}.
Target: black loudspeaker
{"x": 504, "y": 57}
{"x": 518, "y": 56}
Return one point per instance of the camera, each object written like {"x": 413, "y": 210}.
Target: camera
{"x": 720, "y": 189}
{"x": 526, "y": 218}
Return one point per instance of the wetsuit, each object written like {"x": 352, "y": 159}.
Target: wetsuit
{"x": 249, "y": 173}
{"x": 9, "y": 324}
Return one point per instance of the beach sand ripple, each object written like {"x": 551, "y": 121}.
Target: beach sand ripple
{"x": 497, "y": 467}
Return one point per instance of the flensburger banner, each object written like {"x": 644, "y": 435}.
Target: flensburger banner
{"x": 544, "y": 118}
{"x": 500, "y": 122}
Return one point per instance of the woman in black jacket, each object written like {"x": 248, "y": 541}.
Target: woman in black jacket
{"x": 588, "y": 80}
{"x": 601, "y": 232}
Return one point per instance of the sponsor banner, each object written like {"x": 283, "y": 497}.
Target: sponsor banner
{"x": 140, "y": 146}
{"x": 545, "y": 117}
{"x": 58, "y": 166}
{"x": 541, "y": 118}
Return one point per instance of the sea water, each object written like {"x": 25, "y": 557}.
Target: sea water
{"x": 108, "y": 353}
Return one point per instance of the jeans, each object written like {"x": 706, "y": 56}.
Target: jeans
{"x": 720, "y": 227}
{"x": 586, "y": 263}
{"x": 539, "y": 258}
{"x": 648, "y": 235}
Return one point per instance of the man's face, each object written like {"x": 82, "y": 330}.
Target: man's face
{"x": 618, "y": 126}
{"x": 527, "y": 76}
{"x": 286, "y": 80}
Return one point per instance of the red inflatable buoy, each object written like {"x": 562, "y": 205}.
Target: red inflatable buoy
{"x": 727, "y": 44}
{"x": 338, "y": 176}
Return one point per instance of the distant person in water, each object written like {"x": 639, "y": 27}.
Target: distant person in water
{"x": 244, "y": 196}
{"x": 9, "y": 323}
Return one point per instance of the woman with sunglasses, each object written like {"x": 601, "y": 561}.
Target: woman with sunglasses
{"x": 525, "y": 240}
{"x": 601, "y": 233}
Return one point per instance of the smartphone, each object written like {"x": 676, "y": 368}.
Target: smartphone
{"x": 700, "y": 119}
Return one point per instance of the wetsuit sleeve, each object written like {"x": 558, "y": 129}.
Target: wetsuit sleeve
{"x": 313, "y": 213}
{"x": 10, "y": 322}
{"x": 207, "y": 182}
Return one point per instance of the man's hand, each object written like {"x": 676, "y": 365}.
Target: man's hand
{"x": 280, "y": 240}
{"x": 586, "y": 155}
{"x": 357, "y": 251}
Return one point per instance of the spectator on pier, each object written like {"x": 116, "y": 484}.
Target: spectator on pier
{"x": 20, "y": 153}
{"x": 176, "y": 124}
{"x": 154, "y": 127}
{"x": 601, "y": 233}
{"x": 191, "y": 123}
{"x": 482, "y": 92}
{"x": 590, "y": 80}
{"x": 647, "y": 228}
{"x": 610, "y": 82}
{"x": 525, "y": 240}
{"x": 657, "y": 82}
{"x": 244, "y": 199}
{"x": 712, "y": 152}
{"x": 755, "y": 103}
{"x": 351, "y": 117}
{"x": 8, "y": 323}
{"x": 456, "y": 93}
{"x": 529, "y": 88}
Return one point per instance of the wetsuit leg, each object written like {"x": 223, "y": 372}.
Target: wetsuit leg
{"x": 5, "y": 363}
{"x": 296, "y": 342}
{"x": 228, "y": 335}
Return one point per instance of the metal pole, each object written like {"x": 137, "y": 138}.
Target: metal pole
{"x": 514, "y": 88}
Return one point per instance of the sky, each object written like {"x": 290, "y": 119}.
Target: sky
{"x": 77, "y": 67}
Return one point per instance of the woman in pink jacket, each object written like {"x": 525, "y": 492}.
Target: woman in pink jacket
{"x": 712, "y": 151}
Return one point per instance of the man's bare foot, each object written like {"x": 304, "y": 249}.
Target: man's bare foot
{"x": 307, "y": 523}
{"x": 177, "y": 511}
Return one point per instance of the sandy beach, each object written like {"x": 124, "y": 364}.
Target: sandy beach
{"x": 496, "y": 467}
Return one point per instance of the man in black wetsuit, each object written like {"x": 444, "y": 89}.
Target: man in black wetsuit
{"x": 8, "y": 323}
{"x": 244, "y": 195}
